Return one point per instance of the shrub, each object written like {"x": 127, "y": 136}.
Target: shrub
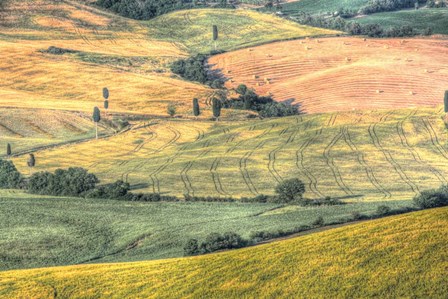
{"x": 290, "y": 190}
{"x": 117, "y": 190}
{"x": 10, "y": 177}
{"x": 195, "y": 69}
{"x": 383, "y": 210}
{"x": 319, "y": 221}
{"x": 432, "y": 198}
{"x": 228, "y": 240}
{"x": 171, "y": 109}
{"x": 356, "y": 215}
{"x": 191, "y": 248}
{"x": 69, "y": 182}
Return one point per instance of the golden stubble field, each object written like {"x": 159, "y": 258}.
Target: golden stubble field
{"x": 341, "y": 74}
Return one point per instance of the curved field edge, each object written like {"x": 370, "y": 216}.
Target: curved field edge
{"x": 399, "y": 256}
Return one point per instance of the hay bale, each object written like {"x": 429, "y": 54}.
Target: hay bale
{"x": 364, "y": 39}
{"x": 348, "y": 59}
{"x": 412, "y": 93}
{"x": 379, "y": 91}
{"x": 229, "y": 71}
{"x": 386, "y": 47}
{"x": 255, "y": 77}
{"x": 266, "y": 79}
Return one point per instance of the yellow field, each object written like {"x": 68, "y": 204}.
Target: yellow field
{"x": 131, "y": 58}
{"x": 394, "y": 257}
{"x": 371, "y": 154}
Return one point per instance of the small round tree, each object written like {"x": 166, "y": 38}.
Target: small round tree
{"x": 290, "y": 190}
{"x": 31, "y": 162}
{"x": 96, "y": 118}
{"x": 196, "y": 110}
{"x": 216, "y": 108}
{"x": 171, "y": 109}
{"x": 241, "y": 89}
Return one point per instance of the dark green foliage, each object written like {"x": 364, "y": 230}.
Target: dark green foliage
{"x": 191, "y": 248}
{"x": 432, "y": 198}
{"x": 171, "y": 109}
{"x": 96, "y": 115}
{"x": 375, "y": 6}
{"x": 192, "y": 69}
{"x": 105, "y": 93}
{"x": 383, "y": 210}
{"x": 215, "y": 32}
{"x": 190, "y": 198}
{"x": 319, "y": 221}
{"x": 106, "y": 104}
{"x": 31, "y": 161}
{"x": 8, "y": 150}
{"x": 356, "y": 215}
{"x": 435, "y": 4}
{"x": 445, "y": 101}
{"x": 216, "y": 107}
{"x": 10, "y": 177}
{"x": 241, "y": 89}
{"x": 276, "y": 109}
{"x": 143, "y": 9}
{"x": 196, "y": 110}
{"x": 215, "y": 242}
{"x": 58, "y": 51}
{"x": 64, "y": 182}
{"x": 117, "y": 190}
{"x": 290, "y": 190}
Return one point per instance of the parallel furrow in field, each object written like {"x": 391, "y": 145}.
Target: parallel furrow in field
{"x": 215, "y": 176}
{"x": 300, "y": 164}
{"x": 376, "y": 142}
{"x": 405, "y": 143}
{"x": 330, "y": 162}
{"x": 361, "y": 159}
{"x": 434, "y": 139}
{"x": 273, "y": 156}
{"x": 186, "y": 180}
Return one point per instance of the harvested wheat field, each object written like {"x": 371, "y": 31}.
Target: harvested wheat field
{"x": 371, "y": 155}
{"x": 340, "y": 74}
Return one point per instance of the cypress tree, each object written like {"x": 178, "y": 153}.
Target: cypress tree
{"x": 96, "y": 118}
{"x": 196, "y": 110}
{"x": 8, "y": 150}
{"x": 105, "y": 93}
{"x": 216, "y": 108}
{"x": 446, "y": 101}
{"x": 31, "y": 162}
{"x": 215, "y": 32}
{"x": 106, "y": 105}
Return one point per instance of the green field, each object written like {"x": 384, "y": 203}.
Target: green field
{"x": 373, "y": 155}
{"x": 39, "y": 231}
{"x": 395, "y": 257}
{"x": 436, "y": 18}
{"x": 321, "y": 6}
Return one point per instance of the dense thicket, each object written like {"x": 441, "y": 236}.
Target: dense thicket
{"x": 375, "y": 6}
{"x": 432, "y": 198}
{"x": 10, "y": 177}
{"x": 195, "y": 69}
{"x": 214, "y": 242}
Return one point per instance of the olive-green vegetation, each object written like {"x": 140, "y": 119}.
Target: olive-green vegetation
{"x": 38, "y": 231}
{"x": 395, "y": 257}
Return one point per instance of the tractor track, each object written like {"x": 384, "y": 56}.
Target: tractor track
{"x": 376, "y": 142}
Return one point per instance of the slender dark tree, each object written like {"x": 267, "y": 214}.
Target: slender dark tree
{"x": 31, "y": 162}
{"x": 196, "y": 109}
{"x": 106, "y": 105}
{"x": 105, "y": 93}
{"x": 216, "y": 108}
{"x": 215, "y": 33}
{"x": 8, "y": 150}
{"x": 96, "y": 118}
{"x": 445, "y": 100}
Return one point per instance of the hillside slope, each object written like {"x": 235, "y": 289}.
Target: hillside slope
{"x": 372, "y": 154}
{"x": 400, "y": 256}
{"x": 342, "y": 74}
{"x": 131, "y": 58}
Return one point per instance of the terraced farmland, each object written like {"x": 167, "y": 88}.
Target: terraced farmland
{"x": 340, "y": 74}
{"x": 371, "y": 154}
{"x": 129, "y": 57}
{"x": 400, "y": 256}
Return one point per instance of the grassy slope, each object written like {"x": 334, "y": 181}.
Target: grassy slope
{"x": 400, "y": 256}
{"x": 39, "y": 231}
{"x": 435, "y": 18}
{"x": 340, "y": 74}
{"x": 374, "y": 154}
{"x": 129, "y": 57}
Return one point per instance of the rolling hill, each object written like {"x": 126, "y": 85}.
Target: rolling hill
{"x": 400, "y": 256}
{"x": 131, "y": 58}
{"x": 341, "y": 74}
{"x": 45, "y": 231}
{"x": 374, "y": 155}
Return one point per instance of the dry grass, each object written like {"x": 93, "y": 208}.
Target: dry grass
{"x": 400, "y": 256}
{"x": 372, "y": 154}
{"x": 340, "y": 74}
